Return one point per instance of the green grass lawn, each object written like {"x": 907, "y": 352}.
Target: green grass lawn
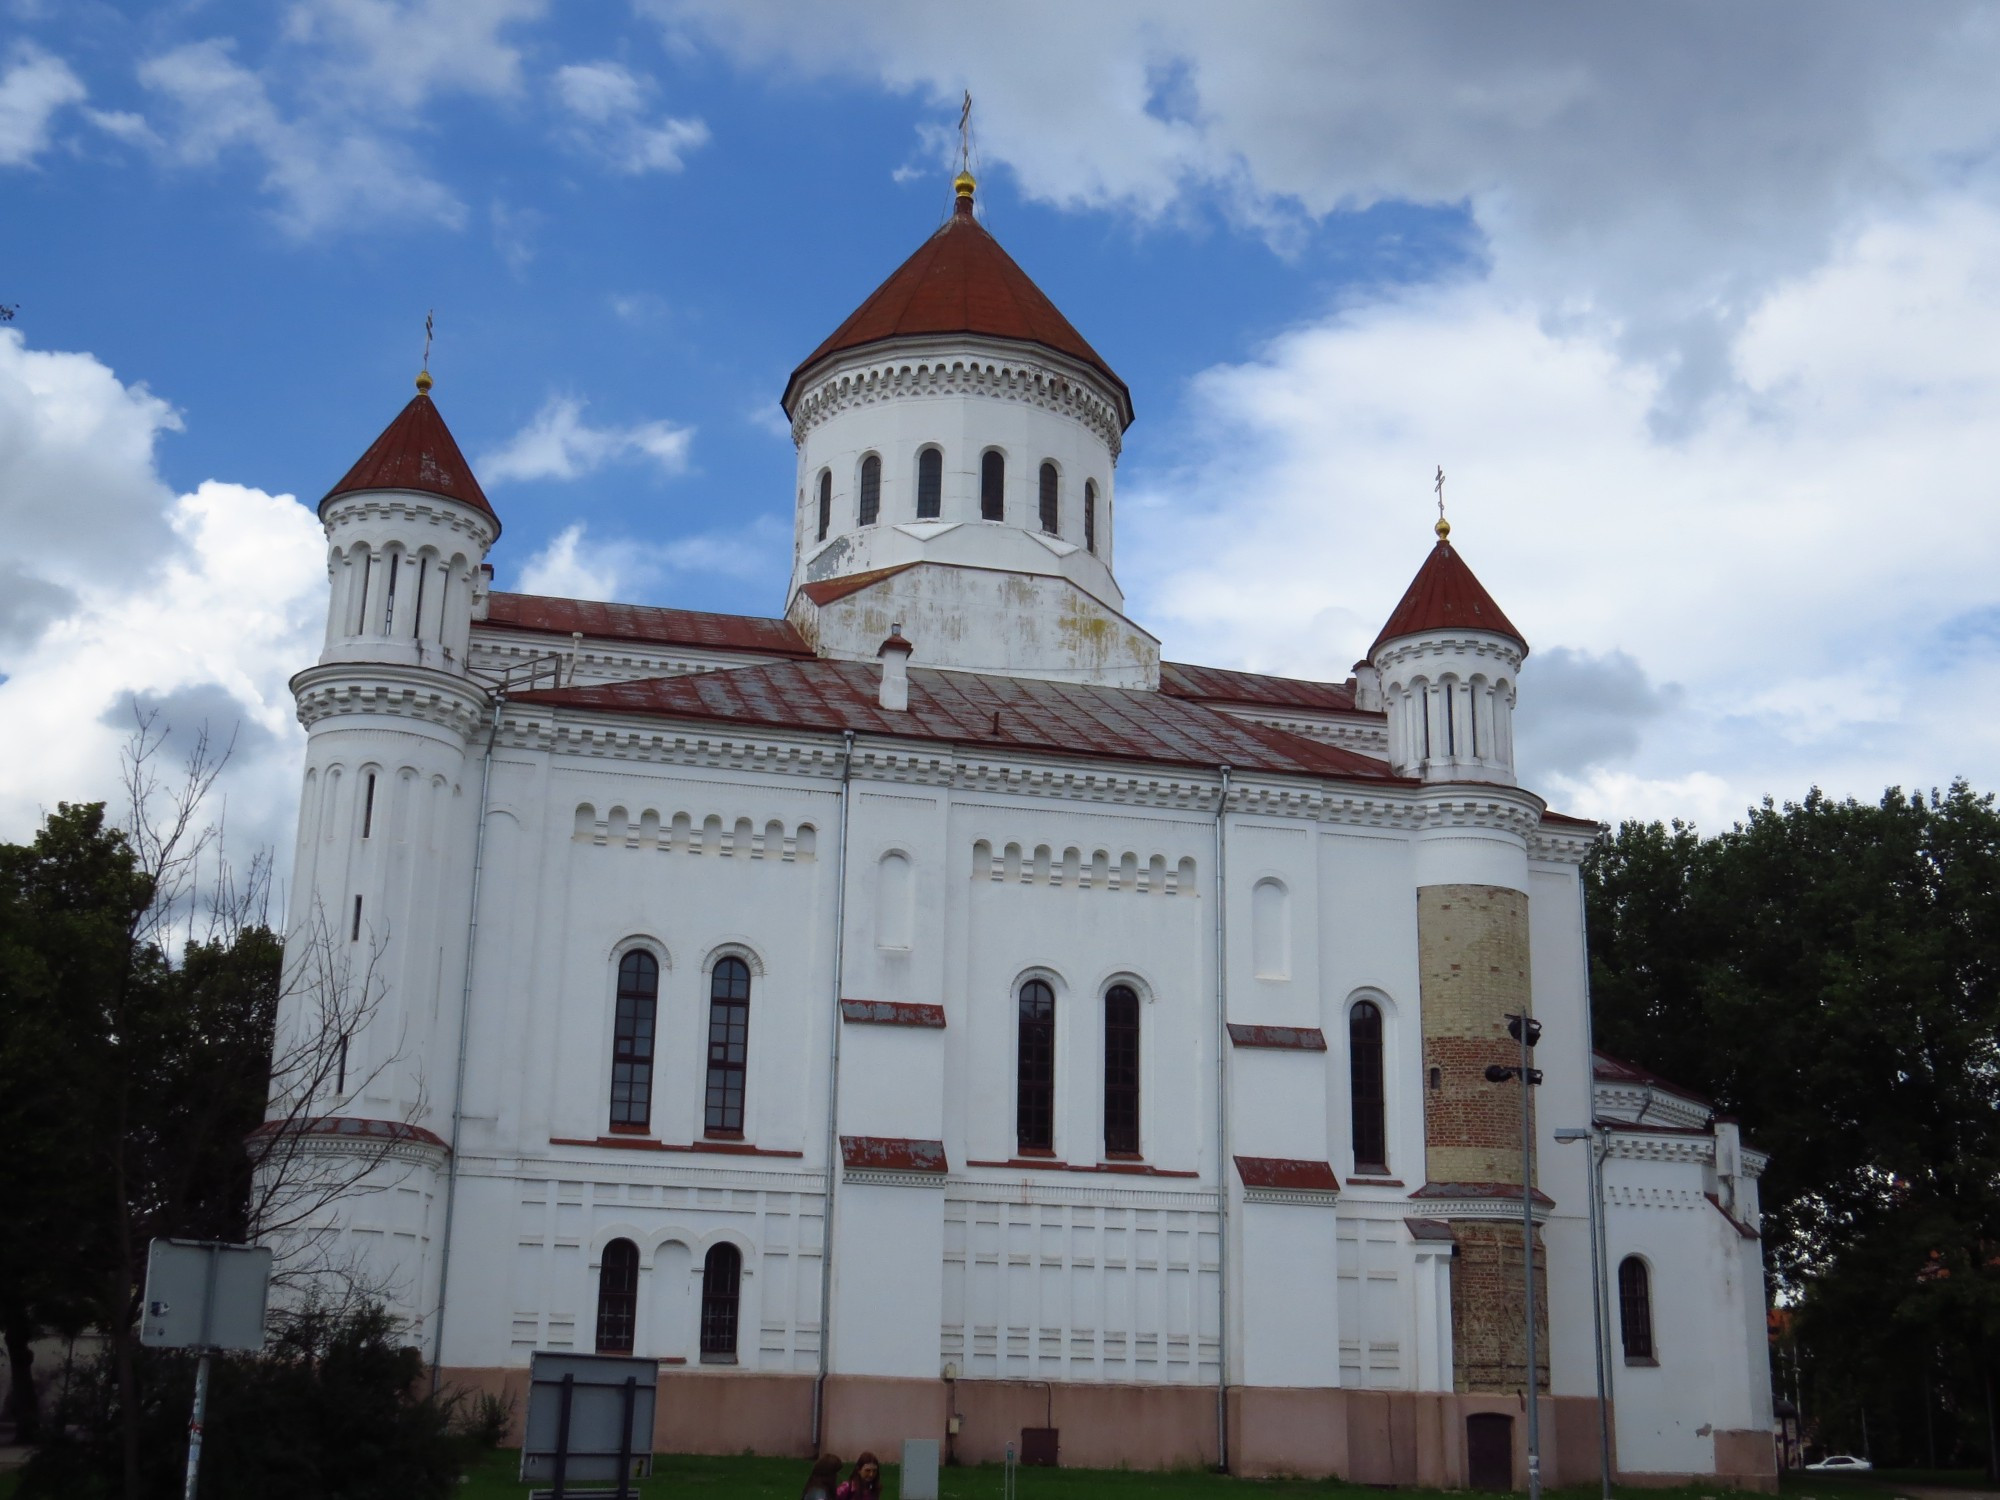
{"x": 781, "y": 1479}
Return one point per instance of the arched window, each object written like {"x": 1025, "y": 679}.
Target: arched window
{"x": 721, "y": 1290}
{"x": 617, "y": 1297}
{"x": 1090, "y": 515}
{"x": 992, "y": 487}
{"x": 871, "y": 489}
{"x": 632, "y": 1040}
{"x": 1051, "y": 507}
{"x": 930, "y": 484}
{"x": 728, "y": 1045}
{"x": 1035, "y": 1069}
{"x": 1364, "y": 1063}
{"x": 825, "y": 502}
{"x": 1121, "y": 1071}
{"x": 1635, "y": 1310}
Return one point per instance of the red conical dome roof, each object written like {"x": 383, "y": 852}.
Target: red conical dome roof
{"x": 1445, "y": 596}
{"x": 416, "y": 452}
{"x": 961, "y": 281}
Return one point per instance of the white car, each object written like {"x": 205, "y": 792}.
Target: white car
{"x": 1841, "y": 1462}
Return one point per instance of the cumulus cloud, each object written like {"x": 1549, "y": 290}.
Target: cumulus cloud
{"x": 559, "y": 444}
{"x": 1654, "y": 170}
{"x": 33, "y": 89}
{"x": 118, "y": 590}
{"x": 575, "y": 565}
{"x": 1811, "y": 567}
{"x": 610, "y": 115}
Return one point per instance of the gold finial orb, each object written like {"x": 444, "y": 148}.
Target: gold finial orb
{"x": 963, "y": 184}
{"x": 1443, "y": 529}
{"x": 423, "y": 382}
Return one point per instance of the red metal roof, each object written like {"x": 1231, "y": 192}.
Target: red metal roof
{"x": 893, "y": 1013}
{"x": 1221, "y": 685}
{"x": 1445, "y": 596}
{"x": 415, "y": 452}
{"x": 1609, "y": 1069}
{"x": 644, "y": 622}
{"x": 1287, "y": 1038}
{"x": 1061, "y": 718}
{"x": 960, "y": 281}
{"x": 1283, "y": 1172}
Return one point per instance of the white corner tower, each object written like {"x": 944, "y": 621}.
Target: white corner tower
{"x": 1445, "y": 667}
{"x": 377, "y": 917}
{"x": 957, "y": 441}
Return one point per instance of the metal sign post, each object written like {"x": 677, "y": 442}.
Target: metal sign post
{"x": 205, "y": 1295}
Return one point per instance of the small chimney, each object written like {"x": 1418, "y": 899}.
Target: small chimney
{"x": 1367, "y": 687}
{"x": 895, "y": 654}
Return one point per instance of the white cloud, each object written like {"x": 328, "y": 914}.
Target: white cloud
{"x": 404, "y": 51}
{"x": 327, "y": 175}
{"x": 203, "y": 604}
{"x": 1814, "y": 567}
{"x": 34, "y": 88}
{"x": 559, "y": 444}
{"x": 1654, "y": 170}
{"x": 574, "y": 565}
{"x": 608, "y": 106}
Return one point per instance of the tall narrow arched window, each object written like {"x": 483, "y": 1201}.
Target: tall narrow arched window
{"x": 721, "y": 1292}
{"x": 728, "y": 1045}
{"x": 825, "y": 502}
{"x": 1635, "y": 1310}
{"x": 992, "y": 486}
{"x": 1051, "y": 502}
{"x": 871, "y": 489}
{"x": 617, "y": 1297}
{"x": 1035, "y": 1069}
{"x": 1090, "y": 515}
{"x": 1364, "y": 1063}
{"x": 930, "y": 484}
{"x": 1121, "y": 1071}
{"x": 633, "y": 1032}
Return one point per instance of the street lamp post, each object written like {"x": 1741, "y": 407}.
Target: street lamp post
{"x": 1527, "y": 1031}
{"x": 1579, "y": 1133}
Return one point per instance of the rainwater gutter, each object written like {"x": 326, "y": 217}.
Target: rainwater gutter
{"x": 1222, "y": 1124}
{"x": 833, "y": 1096}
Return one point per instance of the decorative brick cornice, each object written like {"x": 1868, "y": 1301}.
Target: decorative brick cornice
{"x": 961, "y": 367}
{"x": 411, "y": 505}
{"x": 893, "y": 1161}
{"x": 390, "y": 690}
{"x": 892, "y": 1013}
{"x": 349, "y": 1135}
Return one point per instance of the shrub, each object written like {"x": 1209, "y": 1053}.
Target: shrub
{"x": 334, "y": 1408}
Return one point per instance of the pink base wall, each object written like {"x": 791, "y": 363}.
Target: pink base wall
{"x": 1365, "y": 1437}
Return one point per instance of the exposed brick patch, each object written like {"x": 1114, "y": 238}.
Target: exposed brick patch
{"x": 1488, "y": 1334}
{"x": 1472, "y": 953}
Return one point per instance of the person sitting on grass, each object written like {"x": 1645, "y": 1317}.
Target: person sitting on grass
{"x": 824, "y": 1481}
{"x": 864, "y": 1482}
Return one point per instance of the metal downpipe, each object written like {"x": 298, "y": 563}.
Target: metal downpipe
{"x": 833, "y": 1095}
{"x": 464, "y": 1037}
{"x": 1222, "y": 1123}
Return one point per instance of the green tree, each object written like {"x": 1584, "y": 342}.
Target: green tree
{"x": 1829, "y": 971}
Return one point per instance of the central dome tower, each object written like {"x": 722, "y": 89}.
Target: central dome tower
{"x": 957, "y": 440}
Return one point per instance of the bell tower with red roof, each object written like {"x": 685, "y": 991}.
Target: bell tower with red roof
{"x": 1445, "y": 666}
{"x": 957, "y": 445}
{"x": 388, "y": 825}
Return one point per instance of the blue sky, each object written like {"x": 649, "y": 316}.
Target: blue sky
{"x": 1693, "y": 305}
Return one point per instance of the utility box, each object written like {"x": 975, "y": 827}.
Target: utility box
{"x": 1040, "y": 1447}
{"x": 920, "y": 1469}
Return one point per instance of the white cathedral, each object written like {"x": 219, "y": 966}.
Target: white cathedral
{"x": 928, "y": 1013}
